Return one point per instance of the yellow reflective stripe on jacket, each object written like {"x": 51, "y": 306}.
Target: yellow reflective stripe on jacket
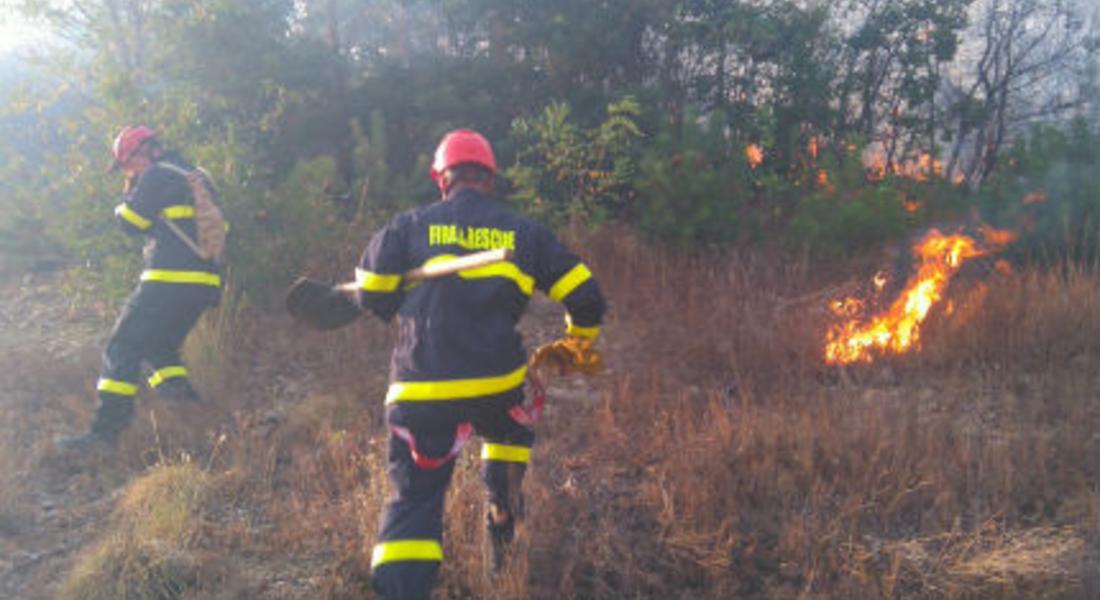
{"x": 578, "y": 331}
{"x": 569, "y": 282}
{"x": 375, "y": 282}
{"x": 132, "y": 217}
{"x": 455, "y": 389}
{"x": 505, "y": 453}
{"x": 507, "y": 270}
{"x": 405, "y": 550}
{"x": 166, "y": 276}
{"x": 162, "y": 375}
{"x": 114, "y": 386}
{"x": 180, "y": 211}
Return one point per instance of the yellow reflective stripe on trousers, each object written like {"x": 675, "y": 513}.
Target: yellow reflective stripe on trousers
{"x": 180, "y": 211}
{"x": 569, "y": 282}
{"x": 405, "y": 550}
{"x": 507, "y": 270}
{"x": 578, "y": 331}
{"x": 132, "y": 217}
{"x": 454, "y": 389}
{"x": 114, "y": 386}
{"x": 162, "y": 375}
{"x": 166, "y": 276}
{"x": 505, "y": 453}
{"x": 375, "y": 282}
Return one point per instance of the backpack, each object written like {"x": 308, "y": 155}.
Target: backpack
{"x": 209, "y": 223}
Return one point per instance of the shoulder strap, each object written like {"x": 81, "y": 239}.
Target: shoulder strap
{"x": 172, "y": 167}
{"x": 183, "y": 237}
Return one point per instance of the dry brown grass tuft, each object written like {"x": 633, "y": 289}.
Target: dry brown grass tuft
{"x": 148, "y": 550}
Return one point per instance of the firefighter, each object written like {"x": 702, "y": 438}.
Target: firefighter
{"x": 459, "y": 365}
{"x": 175, "y": 287}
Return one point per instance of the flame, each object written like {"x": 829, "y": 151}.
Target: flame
{"x": 879, "y": 281}
{"x": 1035, "y": 198}
{"x": 822, "y": 177}
{"x": 912, "y": 206}
{"x": 812, "y": 148}
{"x": 922, "y": 167}
{"x": 754, "y": 154}
{"x": 897, "y": 330}
{"x": 997, "y": 238}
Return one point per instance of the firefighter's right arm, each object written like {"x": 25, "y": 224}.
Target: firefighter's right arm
{"x": 378, "y": 277}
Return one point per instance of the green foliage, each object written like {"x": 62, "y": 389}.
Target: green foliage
{"x": 693, "y": 185}
{"x": 835, "y": 222}
{"x": 295, "y": 226}
{"x": 1048, "y": 188}
{"x": 566, "y": 173}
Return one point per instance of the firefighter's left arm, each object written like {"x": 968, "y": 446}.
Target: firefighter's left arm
{"x": 378, "y": 276}
{"x": 566, "y": 279}
{"x": 141, "y": 203}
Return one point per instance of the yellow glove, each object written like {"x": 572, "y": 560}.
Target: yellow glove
{"x": 569, "y": 355}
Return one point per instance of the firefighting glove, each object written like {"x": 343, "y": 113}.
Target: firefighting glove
{"x": 569, "y": 355}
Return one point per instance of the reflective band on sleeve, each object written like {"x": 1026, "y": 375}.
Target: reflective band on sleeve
{"x": 406, "y": 550}
{"x": 507, "y": 270}
{"x": 165, "y": 374}
{"x": 132, "y": 217}
{"x": 180, "y": 211}
{"x": 569, "y": 282}
{"x": 114, "y": 386}
{"x": 455, "y": 389}
{"x": 504, "y": 453}
{"x": 374, "y": 282}
{"x": 166, "y": 276}
{"x": 578, "y": 331}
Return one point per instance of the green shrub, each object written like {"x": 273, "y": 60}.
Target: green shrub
{"x": 566, "y": 173}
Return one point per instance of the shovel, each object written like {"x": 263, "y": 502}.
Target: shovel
{"x": 323, "y": 307}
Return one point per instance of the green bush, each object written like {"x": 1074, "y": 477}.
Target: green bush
{"x": 565, "y": 173}
{"x": 692, "y": 185}
{"x": 1048, "y": 189}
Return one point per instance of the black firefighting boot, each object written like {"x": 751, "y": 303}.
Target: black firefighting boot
{"x": 179, "y": 390}
{"x": 111, "y": 419}
{"x": 499, "y": 538}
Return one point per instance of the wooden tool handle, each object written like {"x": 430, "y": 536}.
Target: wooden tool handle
{"x": 449, "y": 267}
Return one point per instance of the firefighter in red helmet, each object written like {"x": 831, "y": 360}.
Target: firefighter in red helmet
{"x": 459, "y": 365}
{"x": 175, "y": 287}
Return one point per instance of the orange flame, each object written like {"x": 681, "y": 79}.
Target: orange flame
{"x": 754, "y": 154}
{"x": 997, "y": 238}
{"x": 897, "y": 330}
{"x": 912, "y": 206}
{"x": 1035, "y": 198}
{"x": 921, "y": 167}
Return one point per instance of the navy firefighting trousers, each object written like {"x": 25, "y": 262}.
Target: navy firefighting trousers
{"x": 151, "y": 328}
{"x": 409, "y": 551}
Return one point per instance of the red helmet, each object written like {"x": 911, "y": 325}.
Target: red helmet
{"x": 462, "y": 147}
{"x": 128, "y": 141}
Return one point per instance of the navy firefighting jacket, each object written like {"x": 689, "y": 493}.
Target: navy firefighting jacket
{"x": 457, "y": 334}
{"x": 162, "y": 193}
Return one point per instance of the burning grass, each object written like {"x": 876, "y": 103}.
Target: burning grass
{"x": 719, "y": 457}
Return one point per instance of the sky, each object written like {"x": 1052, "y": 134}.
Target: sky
{"x": 16, "y": 32}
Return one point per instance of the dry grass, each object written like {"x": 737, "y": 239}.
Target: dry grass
{"x": 148, "y": 550}
{"x": 718, "y": 458}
